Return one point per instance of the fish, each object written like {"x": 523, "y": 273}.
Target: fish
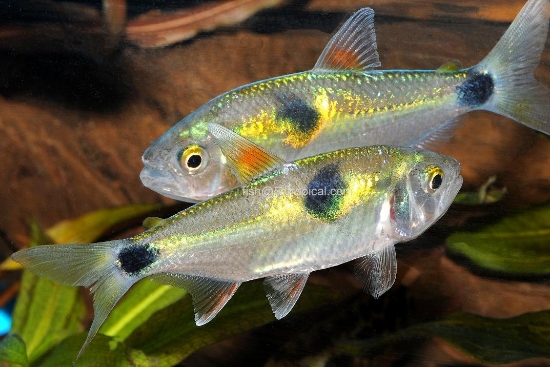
{"x": 345, "y": 102}
{"x": 290, "y": 219}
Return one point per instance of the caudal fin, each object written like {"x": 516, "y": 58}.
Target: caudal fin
{"x": 89, "y": 265}
{"x": 511, "y": 64}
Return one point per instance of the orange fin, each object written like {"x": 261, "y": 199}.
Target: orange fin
{"x": 353, "y": 46}
{"x": 246, "y": 159}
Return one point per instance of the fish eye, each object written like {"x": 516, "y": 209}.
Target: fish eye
{"x": 436, "y": 182}
{"x": 193, "y": 159}
{"x": 434, "y": 178}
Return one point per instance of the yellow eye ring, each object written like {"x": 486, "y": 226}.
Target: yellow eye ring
{"x": 193, "y": 159}
{"x": 434, "y": 175}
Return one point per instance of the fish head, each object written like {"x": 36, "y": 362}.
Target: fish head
{"x": 424, "y": 193}
{"x": 186, "y": 163}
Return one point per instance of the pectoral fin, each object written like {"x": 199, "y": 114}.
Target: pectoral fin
{"x": 283, "y": 291}
{"x": 246, "y": 159}
{"x": 376, "y": 271}
{"x": 209, "y": 295}
{"x": 353, "y": 46}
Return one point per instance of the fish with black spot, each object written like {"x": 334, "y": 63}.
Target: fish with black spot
{"x": 344, "y": 102}
{"x": 289, "y": 219}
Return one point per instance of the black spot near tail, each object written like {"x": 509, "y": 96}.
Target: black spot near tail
{"x": 303, "y": 116}
{"x": 325, "y": 192}
{"x": 476, "y": 90}
{"x": 133, "y": 259}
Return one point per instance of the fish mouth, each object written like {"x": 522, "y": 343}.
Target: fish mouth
{"x": 451, "y": 193}
{"x": 164, "y": 184}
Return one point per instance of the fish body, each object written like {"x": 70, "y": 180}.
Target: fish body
{"x": 338, "y": 109}
{"x": 289, "y": 220}
{"x": 344, "y": 102}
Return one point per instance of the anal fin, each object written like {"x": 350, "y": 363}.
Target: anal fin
{"x": 440, "y": 136}
{"x": 283, "y": 291}
{"x": 376, "y": 271}
{"x": 209, "y": 295}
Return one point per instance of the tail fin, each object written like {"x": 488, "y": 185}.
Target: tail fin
{"x": 512, "y": 63}
{"x": 89, "y": 265}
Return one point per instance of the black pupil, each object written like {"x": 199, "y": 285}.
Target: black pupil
{"x": 436, "y": 181}
{"x": 194, "y": 161}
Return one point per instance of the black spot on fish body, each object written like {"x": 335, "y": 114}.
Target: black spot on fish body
{"x": 133, "y": 259}
{"x": 476, "y": 89}
{"x": 303, "y": 116}
{"x": 325, "y": 192}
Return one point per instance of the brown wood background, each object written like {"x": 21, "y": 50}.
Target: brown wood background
{"x": 77, "y": 110}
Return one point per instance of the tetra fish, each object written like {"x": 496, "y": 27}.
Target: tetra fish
{"x": 343, "y": 102}
{"x": 289, "y": 219}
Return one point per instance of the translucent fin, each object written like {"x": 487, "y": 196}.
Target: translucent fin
{"x": 246, "y": 159}
{"x": 89, "y": 265}
{"x": 376, "y": 271}
{"x": 512, "y": 63}
{"x": 450, "y": 66}
{"x": 209, "y": 295}
{"x": 353, "y": 46}
{"x": 437, "y": 137}
{"x": 151, "y": 222}
{"x": 283, "y": 291}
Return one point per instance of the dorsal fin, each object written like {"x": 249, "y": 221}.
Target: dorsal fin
{"x": 209, "y": 295}
{"x": 246, "y": 159}
{"x": 283, "y": 291}
{"x": 449, "y": 66}
{"x": 353, "y": 46}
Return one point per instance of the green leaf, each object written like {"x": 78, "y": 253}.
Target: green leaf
{"x": 13, "y": 351}
{"x": 103, "y": 351}
{"x": 495, "y": 340}
{"x": 88, "y": 227}
{"x": 491, "y": 341}
{"x": 171, "y": 334}
{"x": 517, "y": 244}
{"x": 45, "y": 311}
{"x": 486, "y": 194}
{"x": 144, "y": 299}
{"x": 91, "y": 226}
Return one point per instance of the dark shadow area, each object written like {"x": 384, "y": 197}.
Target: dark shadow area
{"x": 291, "y": 17}
{"x": 71, "y": 78}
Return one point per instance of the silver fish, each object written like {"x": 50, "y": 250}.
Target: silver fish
{"x": 343, "y": 102}
{"x": 289, "y": 220}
